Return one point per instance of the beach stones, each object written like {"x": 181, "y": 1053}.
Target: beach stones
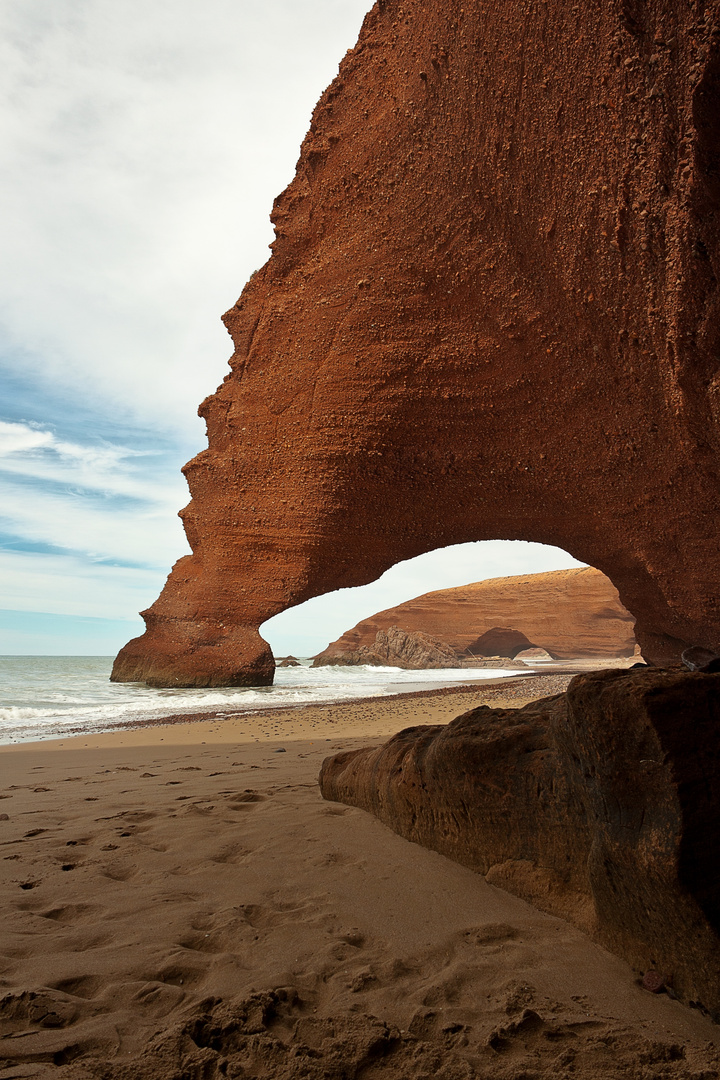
{"x": 654, "y": 982}
{"x": 600, "y": 805}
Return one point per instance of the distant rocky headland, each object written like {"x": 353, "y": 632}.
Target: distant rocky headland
{"x": 568, "y": 613}
{"x": 410, "y": 649}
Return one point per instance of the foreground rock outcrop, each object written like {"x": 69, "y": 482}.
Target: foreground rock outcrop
{"x": 491, "y": 311}
{"x": 570, "y": 613}
{"x": 600, "y": 805}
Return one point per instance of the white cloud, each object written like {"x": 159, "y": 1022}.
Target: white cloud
{"x": 69, "y": 585}
{"x": 142, "y": 146}
{"x": 91, "y": 499}
{"x": 29, "y": 451}
{"x": 149, "y": 535}
{"x": 19, "y": 438}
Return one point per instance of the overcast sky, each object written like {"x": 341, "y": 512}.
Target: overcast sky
{"x": 141, "y": 148}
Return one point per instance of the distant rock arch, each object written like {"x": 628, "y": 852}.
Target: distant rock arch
{"x": 500, "y": 641}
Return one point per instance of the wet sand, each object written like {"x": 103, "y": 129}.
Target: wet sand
{"x": 180, "y": 902}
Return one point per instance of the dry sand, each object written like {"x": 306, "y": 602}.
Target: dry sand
{"x": 180, "y": 904}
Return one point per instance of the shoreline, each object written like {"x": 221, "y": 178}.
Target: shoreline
{"x": 448, "y": 702}
{"x": 532, "y": 678}
{"x": 164, "y": 880}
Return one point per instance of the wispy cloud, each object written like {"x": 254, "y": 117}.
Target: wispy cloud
{"x": 71, "y": 585}
{"x": 89, "y": 499}
{"x": 140, "y": 155}
{"x": 35, "y": 452}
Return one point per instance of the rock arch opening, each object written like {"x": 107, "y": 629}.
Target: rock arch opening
{"x": 502, "y": 641}
{"x": 461, "y": 605}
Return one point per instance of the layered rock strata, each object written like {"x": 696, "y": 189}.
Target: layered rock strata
{"x": 412, "y": 650}
{"x": 600, "y": 805}
{"x": 397, "y": 648}
{"x": 491, "y": 311}
{"x": 570, "y": 613}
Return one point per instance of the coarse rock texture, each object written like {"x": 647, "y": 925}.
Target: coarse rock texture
{"x": 412, "y": 650}
{"x": 491, "y": 312}
{"x": 570, "y": 613}
{"x": 600, "y": 805}
{"x": 396, "y": 648}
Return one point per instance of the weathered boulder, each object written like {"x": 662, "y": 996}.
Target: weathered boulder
{"x": 570, "y": 613}
{"x": 396, "y": 648}
{"x": 491, "y": 312}
{"x": 601, "y": 805}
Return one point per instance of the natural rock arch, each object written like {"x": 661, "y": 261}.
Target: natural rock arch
{"x": 491, "y": 312}
{"x": 500, "y": 641}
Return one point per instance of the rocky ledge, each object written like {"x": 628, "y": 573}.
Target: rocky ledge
{"x": 600, "y": 805}
{"x": 412, "y": 650}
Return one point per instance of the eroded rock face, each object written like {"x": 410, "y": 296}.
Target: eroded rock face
{"x": 491, "y": 312}
{"x": 396, "y": 648}
{"x": 600, "y": 805}
{"x": 571, "y": 613}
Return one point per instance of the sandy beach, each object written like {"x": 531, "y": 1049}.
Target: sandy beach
{"x": 179, "y": 902}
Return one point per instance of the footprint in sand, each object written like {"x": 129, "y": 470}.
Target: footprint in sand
{"x": 137, "y": 817}
{"x": 180, "y": 972}
{"x": 243, "y": 800}
{"x": 490, "y": 934}
{"x": 157, "y": 999}
{"x": 82, "y": 986}
{"x": 230, "y": 854}
{"x": 337, "y": 858}
{"x": 41, "y": 1008}
{"x": 207, "y": 941}
{"x": 119, "y": 871}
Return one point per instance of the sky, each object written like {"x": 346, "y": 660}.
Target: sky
{"x": 141, "y": 148}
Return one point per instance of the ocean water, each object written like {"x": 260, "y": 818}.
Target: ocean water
{"x": 45, "y": 697}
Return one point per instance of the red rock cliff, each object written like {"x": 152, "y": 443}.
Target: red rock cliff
{"x": 491, "y": 312}
{"x": 568, "y": 612}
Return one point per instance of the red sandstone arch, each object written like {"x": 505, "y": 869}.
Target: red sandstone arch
{"x": 491, "y": 312}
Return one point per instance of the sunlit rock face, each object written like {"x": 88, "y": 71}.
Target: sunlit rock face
{"x": 491, "y": 312}
{"x": 600, "y": 806}
{"x": 570, "y": 613}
